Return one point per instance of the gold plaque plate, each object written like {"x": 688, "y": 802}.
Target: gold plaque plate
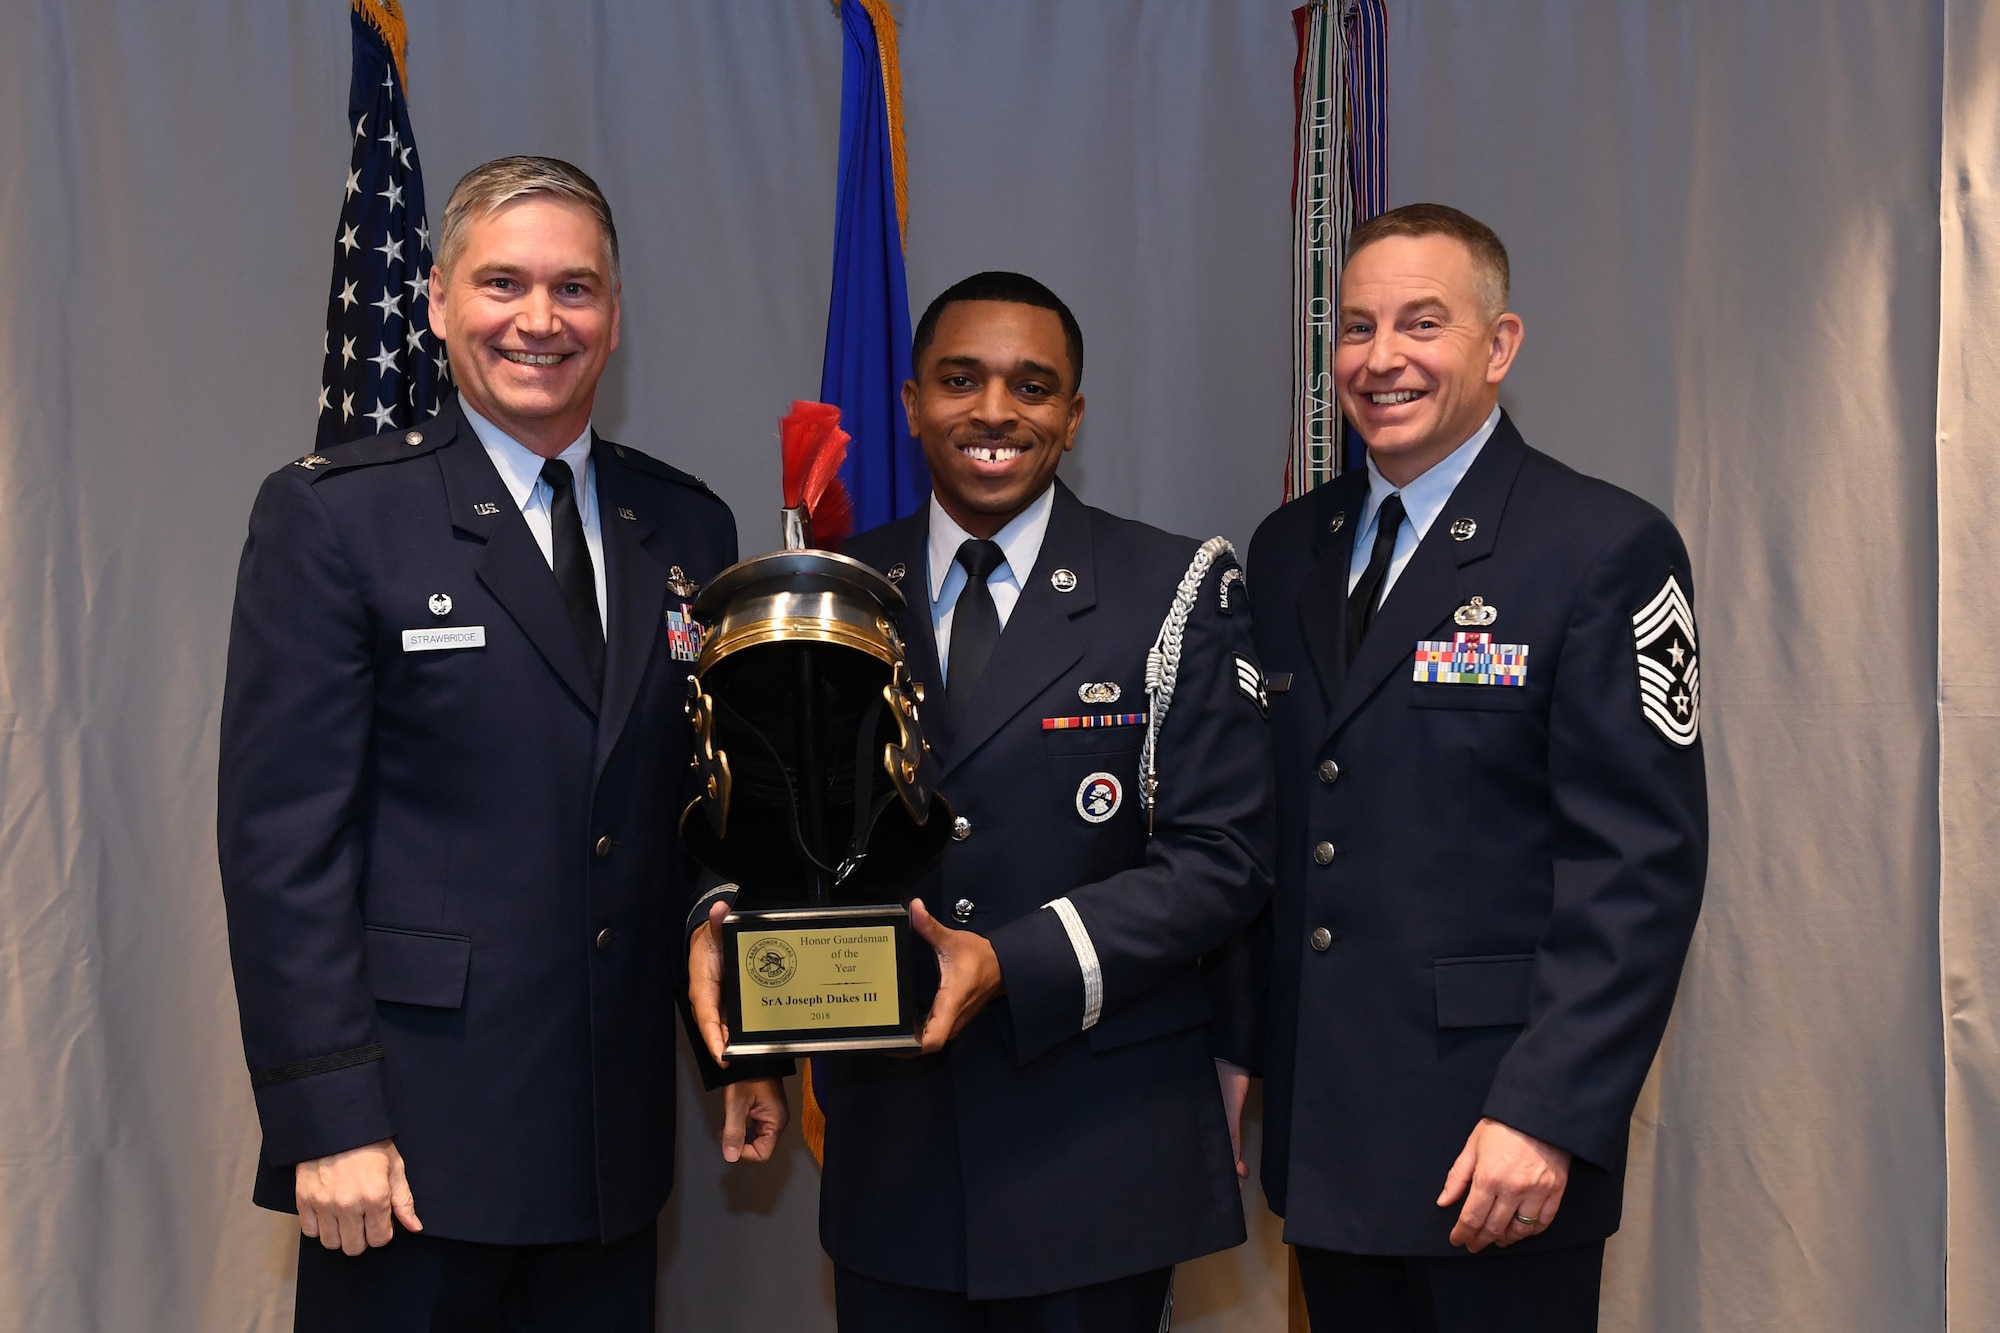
{"x": 831, "y": 977}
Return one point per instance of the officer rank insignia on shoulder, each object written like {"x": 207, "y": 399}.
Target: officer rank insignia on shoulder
{"x": 1471, "y": 659}
{"x": 1669, "y": 676}
{"x": 683, "y": 634}
{"x": 1250, "y": 683}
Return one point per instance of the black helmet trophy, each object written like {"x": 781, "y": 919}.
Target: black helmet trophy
{"x": 817, "y": 796}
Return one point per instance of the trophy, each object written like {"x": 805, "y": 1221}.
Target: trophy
{"x": 816, "y": 784}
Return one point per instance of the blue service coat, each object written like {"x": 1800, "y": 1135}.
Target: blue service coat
{"x": 1511, "y": 874}
{"x": 453, "y": 881}
{"x": 1033, "y": 1155}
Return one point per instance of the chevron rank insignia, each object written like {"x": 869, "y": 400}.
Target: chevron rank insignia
{"x": 1250, "y": 682}
{"x": 1669, "y": 675}
{"x": 683, "y": 634}
{"x": 1471, "y": 659}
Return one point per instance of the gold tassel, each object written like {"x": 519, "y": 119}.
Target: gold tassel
{"x": 386, "y": 18}
{"x": 884, "y": 19}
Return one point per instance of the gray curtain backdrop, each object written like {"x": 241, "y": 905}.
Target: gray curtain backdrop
{"x": 1725, "y": 227}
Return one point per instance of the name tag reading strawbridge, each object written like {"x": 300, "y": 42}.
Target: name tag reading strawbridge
{"x": 431, "y": 640}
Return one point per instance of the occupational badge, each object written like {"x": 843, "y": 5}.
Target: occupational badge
{"x": 1098, "y": 797}
{"x": 683, "y": 634}
{"x": 1669, "y": 675}
{"x": 1471, "y": 659}
{"x": 1250, "y": 683}
{"x": 1099, "y": 692}
{"x": 440, "y": 604}
{"x": 1475, "y": 612}
{"x": 679, "y": 584}
{"x": 311, "y": 461}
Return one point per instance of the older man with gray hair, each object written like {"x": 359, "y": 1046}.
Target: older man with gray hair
{"x": 452, "y": 743}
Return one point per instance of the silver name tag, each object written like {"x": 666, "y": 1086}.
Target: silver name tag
{"x": 430, "y": 640}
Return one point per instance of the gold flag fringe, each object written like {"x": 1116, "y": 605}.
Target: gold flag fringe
{"x": 812, "y": 1120}
{"x": 386, "y": 18}
{"x": 884, "y": 19}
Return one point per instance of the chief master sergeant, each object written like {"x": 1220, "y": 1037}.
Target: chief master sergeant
{"x": 452, "y": 740}
{"x": 1492, "y": 823}
{"x": 1063, "y": 1144}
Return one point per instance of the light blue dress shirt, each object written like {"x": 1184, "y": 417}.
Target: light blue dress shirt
{"x": 520, "y": 470}
{"x": 1020, "y": 541}
{"x": 1423, "y": 500}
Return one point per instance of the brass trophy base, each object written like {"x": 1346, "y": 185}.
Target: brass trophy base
{"x": 796, "y": 981}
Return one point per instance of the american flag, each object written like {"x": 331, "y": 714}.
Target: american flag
{"x": 384, "y": 368}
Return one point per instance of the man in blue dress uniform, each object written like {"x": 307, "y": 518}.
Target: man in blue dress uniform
{"x": 453, "y": 744}
{"x": 1062, "y": 1142}
{"x": 1492, "y": 824}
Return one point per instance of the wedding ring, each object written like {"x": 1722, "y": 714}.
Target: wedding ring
{"x": 1526, "y": 1221}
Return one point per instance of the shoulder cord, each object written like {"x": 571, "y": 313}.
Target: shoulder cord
{"x": 1163, "y": 665}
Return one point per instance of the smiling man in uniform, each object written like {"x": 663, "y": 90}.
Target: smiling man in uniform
{"x": 1492, "y": 823}
{"x": 452, "y": 737}
{"x": 1061, "y": 1144}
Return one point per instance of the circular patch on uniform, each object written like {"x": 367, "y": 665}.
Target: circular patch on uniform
{"x": 1098, "y": 797}
{"x": 440, "y": 604}
{"x": 896, "y": 572}
{"x": 1063, "y": 580}
{"x": 772, "y": 962}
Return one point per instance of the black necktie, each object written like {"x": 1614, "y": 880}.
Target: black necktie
{"x": 575, "y": 575}
{"x": 1361, "y": 602}
{"x": 975, "y": 622}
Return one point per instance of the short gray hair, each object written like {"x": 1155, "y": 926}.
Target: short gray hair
{"x": 503, "y": 180}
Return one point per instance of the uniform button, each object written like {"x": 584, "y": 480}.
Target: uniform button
{"x": 605, "y": 937}
{"x": 1323, "y": 853}
{"x": 604, "y": 846}
{"x": 1328, "y": 771}
{"x": 961, "y": 910}
{"x": 1322, "y": 939}
{"x": 961, "y": 828}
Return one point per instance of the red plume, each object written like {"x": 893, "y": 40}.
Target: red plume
{"x": 814, "y": 448}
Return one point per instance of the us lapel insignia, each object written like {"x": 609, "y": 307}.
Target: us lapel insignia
{"x": 627, "y": 514}
{"x": 486, "y": 508}
{"x": 683, "y": 633}
{"x": 1471, "y": 659}
{"x": 1064, "y": 580}
{"x": 1231, "y": 577}
{"x": 896, "y": 572}
{"x": 1338, "y": 522}
{"x": 1099, "y": 692}
{"x": 1475, "y": 612}
{"x": 1462, "y": 529}
{"x": 1669, "y": 675}
{"x": 680, "y": 584}
{"x": 311, "y": 461}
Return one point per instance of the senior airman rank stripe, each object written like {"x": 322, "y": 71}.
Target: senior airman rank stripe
{"x": 1471, "y": 659}
{"x": 1094, "y": 720}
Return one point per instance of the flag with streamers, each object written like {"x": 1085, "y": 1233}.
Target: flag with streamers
{"x": 383, "y": 367}
{"x": 868, "y": 319}
{"x": 1340, "y": 176}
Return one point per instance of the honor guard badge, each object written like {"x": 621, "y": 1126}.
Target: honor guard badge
{"x": 1669, "y": 676}
{"x": 1250, "y": 682}
{"x": 679, "y": 584}
{"x": 1098, "y": 797}
{"x": 1099, "y": 692}
{"x": 683, "y": 634}
{"x": 1471, "y": 659}
{"x": 1231, "y": 577}
{"x": 440, "y": 604}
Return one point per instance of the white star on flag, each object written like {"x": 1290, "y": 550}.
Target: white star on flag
{"x": 385, "y": 362}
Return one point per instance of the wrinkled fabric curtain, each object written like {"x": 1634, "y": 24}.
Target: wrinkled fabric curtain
{"x": 1725, "y": 226}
